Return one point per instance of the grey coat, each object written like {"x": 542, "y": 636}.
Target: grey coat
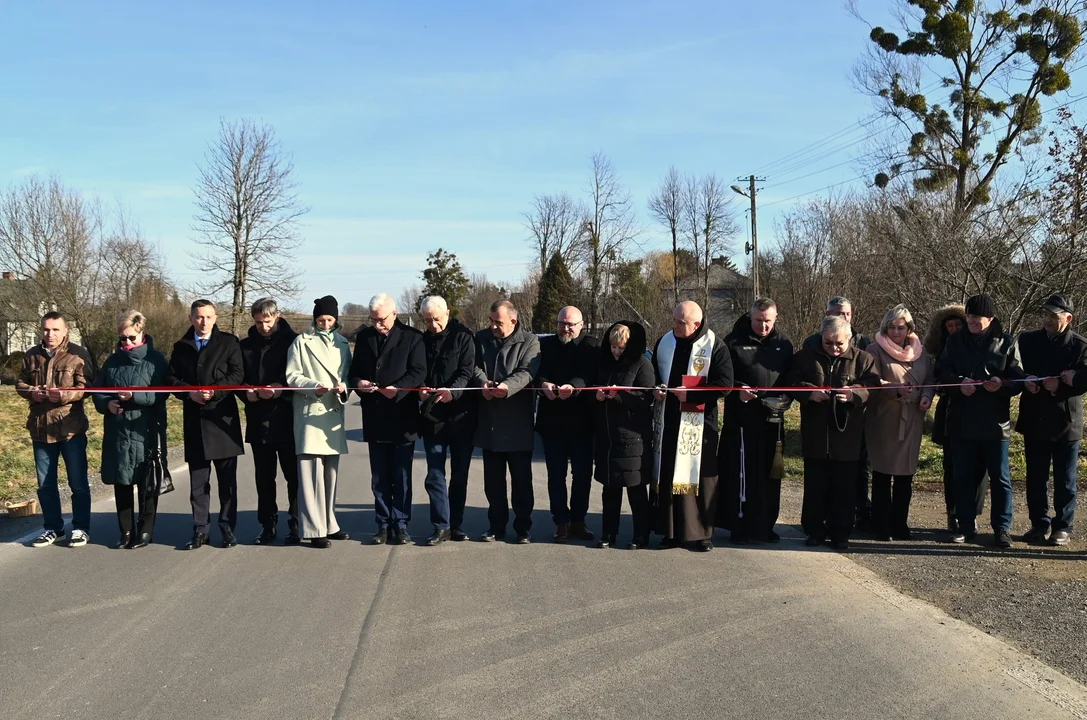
{"x": 319, "y": 426}
{"x": 506, "y": 425}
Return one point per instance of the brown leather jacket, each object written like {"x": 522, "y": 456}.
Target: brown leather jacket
{"x": 70, "y": 366}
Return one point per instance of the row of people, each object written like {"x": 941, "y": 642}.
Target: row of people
{"x": 661, "y": 446}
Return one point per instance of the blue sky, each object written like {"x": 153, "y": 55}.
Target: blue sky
{"x": 420, "y": 125}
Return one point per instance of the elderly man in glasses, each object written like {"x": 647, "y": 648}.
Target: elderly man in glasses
{"x": 564, "y": 421}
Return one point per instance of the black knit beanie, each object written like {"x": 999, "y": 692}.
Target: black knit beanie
{"x": 326, "y": 306}
{"x": 981, "y": 306}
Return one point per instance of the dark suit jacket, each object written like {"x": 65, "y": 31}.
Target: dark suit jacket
{"x": 401, "y": 363}
{"x": 213, "y": 431}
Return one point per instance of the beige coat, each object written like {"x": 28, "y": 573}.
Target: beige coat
{"x": 319, "y": 422}
{"x": 893, "y": 424}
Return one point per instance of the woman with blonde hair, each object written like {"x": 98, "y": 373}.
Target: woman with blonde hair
{"x": 319, "y": 360}
{"x": 624, "y": 426}
{"x": 895, "y": 420}
{"x": 134, "y": 425}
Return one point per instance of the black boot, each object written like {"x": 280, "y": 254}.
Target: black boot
{"x": 267, "y": 535}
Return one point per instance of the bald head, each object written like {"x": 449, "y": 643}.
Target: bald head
{"x": 686, "y": 319}
{"x": 570, "y": 324}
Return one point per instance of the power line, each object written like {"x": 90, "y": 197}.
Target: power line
{"x": 812, "y": 192}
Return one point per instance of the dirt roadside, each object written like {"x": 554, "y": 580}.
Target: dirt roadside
{"x": 1032, "y": 596}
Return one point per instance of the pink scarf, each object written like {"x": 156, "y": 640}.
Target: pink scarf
{"x": 908, "y": 354}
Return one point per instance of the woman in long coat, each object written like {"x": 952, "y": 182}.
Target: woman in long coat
{"x": 944, "y": 323}
{"x": 895, "y": 420}
{"x": 133, "y": 423}
{"x": 624, "y": 427}
{"x": 319, "y": 360}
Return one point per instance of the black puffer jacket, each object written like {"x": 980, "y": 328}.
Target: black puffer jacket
{"x": 984, "y": 415}
{"x": 450, "y": 363}
{"x": 1054, "y": 417}
{"x": 265, "y": 363}
{"x": 624, "y": 424}
{"x": 756, "y": 362}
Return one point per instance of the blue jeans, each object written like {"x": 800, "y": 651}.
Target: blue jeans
{"x": 571, "y": 449}
{"x": 390, "y": 468}
{"x": 47, "y": 460}
{"x": 994, "y": 455}
{"x": 1063, "y": 456}
{"x": 447, "y": 502}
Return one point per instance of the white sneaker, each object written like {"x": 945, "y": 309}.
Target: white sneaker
{"x": 78, "y": 538}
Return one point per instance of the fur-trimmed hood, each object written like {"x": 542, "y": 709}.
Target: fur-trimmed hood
{"x": 936, "y": 336}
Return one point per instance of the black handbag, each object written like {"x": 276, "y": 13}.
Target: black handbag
{"x": 157, "y": 479}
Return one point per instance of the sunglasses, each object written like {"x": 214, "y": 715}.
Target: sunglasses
{"x": 130, "y": 338}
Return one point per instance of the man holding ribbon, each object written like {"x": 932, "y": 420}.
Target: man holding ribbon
{"x": 389, "y": 355}
{"x": 206, "y": 357}
{"x": 1051, "y": 418}
{"x": 982, "y": 361}
{"x": 685, "y": 434}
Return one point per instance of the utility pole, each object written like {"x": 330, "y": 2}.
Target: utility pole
{"x": 752, "y": 248}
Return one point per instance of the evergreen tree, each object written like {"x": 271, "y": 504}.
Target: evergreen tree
{"x": 444, "y": 276}
{"x": 556, "y": 291}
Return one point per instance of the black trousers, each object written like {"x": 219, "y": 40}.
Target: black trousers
{"x": 494, "y": 487}
{"x": 264, "y": 470}
{"x": 981, "y": 481}
{"x": 126, "y": 495}
{"x": 638, "y": 497}
{"x": 829, "y": 495}
{"x": 226, "y": 476}
{"x": 749, "y": 504}
{"x": 891, "y": 507}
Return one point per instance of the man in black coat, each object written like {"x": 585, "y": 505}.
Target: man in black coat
{"x": 1051, "y": 418}
{"x": 685, "y": 428}
{"x": 979, "y": 415}
{"x": 761, "y": 357}
{"x": 269, "y": 417}
{"x": 389, "y": 355}
{"x": 839, "y": 306}
{"x": 565, "y": 421}
{"x": 205, "y": 357}
{"x": 447, "y": 421}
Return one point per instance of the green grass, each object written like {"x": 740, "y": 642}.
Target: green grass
{"x": 17, "y": 476}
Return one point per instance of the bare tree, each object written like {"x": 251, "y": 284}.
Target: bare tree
{"x": 666, "y": 207}
{"x": 247, "y": 214}
{"x": 476, "y": 310}
{"x": 408, "y": 304}
{"x": 611, "y": 228}
{"x": 74, "y": 256}
{"x": 555, "y": 222}
{"x": 717, "y": 218}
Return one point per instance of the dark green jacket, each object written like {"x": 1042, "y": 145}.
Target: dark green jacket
{"x": 125, "y": 439}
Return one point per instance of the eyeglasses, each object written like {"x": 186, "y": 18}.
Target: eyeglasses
{"x": 382, "y": 321}
{"x": 130, "y": 338}
{"x": 570, "y": 324}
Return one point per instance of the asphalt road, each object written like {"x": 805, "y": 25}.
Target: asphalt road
{"x": 483, "y": 630}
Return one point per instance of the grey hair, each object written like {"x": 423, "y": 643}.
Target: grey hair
{"x": 835, "y": 324}
{"x": 264, "y": 306}
{"x": 131, "y": 318}
{"x": 898, "y": 311}
{"x": 763, "y": 304}
{"x": 382, "y": 300}
{"x": 838, "y": 302}
{"x": 434, "y": 304}
{"x": 503, "y": 303}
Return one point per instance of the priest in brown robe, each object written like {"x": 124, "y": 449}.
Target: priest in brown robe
{"x": 685, "y": 429}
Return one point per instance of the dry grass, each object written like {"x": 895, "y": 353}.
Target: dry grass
{"x": 17, "y": 477}
{"x": 930, "y": 467}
